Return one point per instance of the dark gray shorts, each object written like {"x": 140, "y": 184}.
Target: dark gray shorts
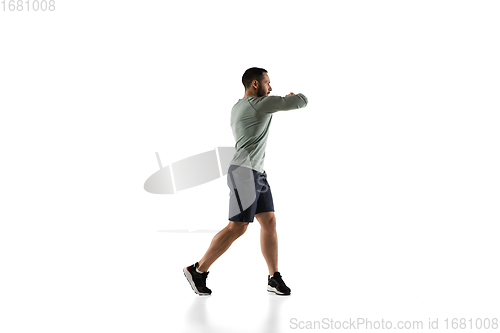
{"x": 249, "y": 194}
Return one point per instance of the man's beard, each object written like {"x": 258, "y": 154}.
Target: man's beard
{"x": 261, "y": 93}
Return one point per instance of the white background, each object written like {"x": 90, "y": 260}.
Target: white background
{"x": 386, "y": 186}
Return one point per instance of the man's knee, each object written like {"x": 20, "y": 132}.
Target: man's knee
{"x": 270, "y": 223}
{"x": 238, "y": 228}
{"x": 267, "y": 220}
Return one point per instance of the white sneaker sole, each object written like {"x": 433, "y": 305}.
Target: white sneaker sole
{"x": 276, "y": 291}
{"x": 189, "y": 277}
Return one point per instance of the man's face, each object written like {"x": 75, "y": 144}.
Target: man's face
{"x": 264, "y": 86}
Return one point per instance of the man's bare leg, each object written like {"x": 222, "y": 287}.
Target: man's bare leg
{"x": 221, "y": 242}
{"x": 269, "y": 240}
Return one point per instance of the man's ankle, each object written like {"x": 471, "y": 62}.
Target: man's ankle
{"x": 197, "y": 267}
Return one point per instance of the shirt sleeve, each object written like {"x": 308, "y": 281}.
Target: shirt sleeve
{"x": 271, "y": 104}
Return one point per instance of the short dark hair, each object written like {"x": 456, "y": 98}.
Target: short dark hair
{"x": 251, "y": 74}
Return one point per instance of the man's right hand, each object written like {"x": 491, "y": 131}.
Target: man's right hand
{"x": 290, "y": 94}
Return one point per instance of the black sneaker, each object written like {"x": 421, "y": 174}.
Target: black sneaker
{"x": 276, "y": 285}
{"x": 196, "y": 280}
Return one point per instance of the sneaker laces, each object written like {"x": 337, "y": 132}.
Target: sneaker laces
{"x": 202, "y": 277}
{"x": 278, "y": 278}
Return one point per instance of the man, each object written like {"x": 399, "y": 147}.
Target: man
{"x": 250, "y": 193}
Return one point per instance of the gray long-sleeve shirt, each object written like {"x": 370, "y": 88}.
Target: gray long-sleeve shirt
{"x": 250, "y": 121}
